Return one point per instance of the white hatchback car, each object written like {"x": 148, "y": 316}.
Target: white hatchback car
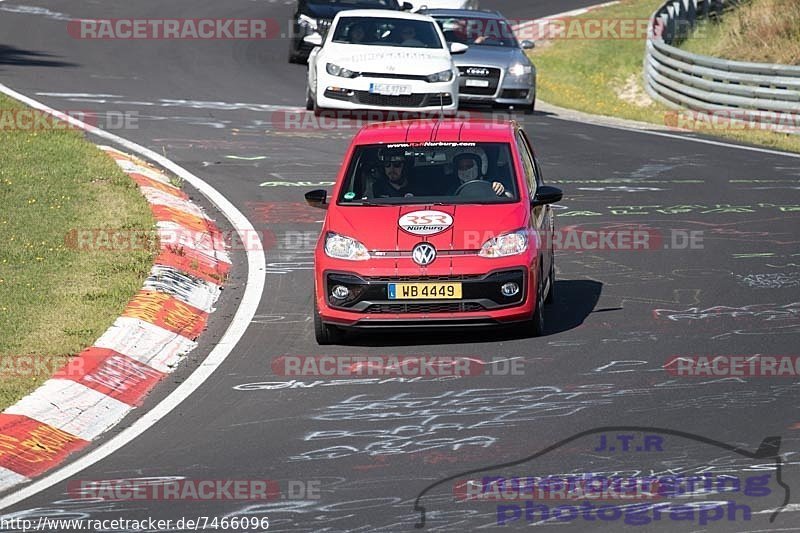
{"x": 375, "y": 59}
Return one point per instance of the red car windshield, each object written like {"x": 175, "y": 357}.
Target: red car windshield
{"x": 430, "y": 173}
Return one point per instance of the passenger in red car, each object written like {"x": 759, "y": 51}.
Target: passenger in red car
{"x": 468, "y": 168}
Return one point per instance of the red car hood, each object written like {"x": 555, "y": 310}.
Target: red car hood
{"x": 378, "y": 228}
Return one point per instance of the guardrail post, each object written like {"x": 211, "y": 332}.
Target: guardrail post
{"x": 685, "y": 21}
{"x": 720, "y": 9}
{"x": 669, "y": 27}
{"x": 677, "y": 5}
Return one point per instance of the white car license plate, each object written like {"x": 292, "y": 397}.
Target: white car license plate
{"x": 389, "y": 89}
{"x": 477, "y": 83}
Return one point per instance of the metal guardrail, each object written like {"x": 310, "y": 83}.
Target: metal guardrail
{"x": 682, "y": 79}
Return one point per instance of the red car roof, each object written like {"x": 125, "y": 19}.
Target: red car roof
{"x": 446, "y": 130}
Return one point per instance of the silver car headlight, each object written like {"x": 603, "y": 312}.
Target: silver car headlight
{"x": 304, "y": 21}
{"x": 445, "y": 75}
{"x": 336, "y": 70}
{"x": 341, "y": 247}
{"x": 504, "y": 245}
{"x": 518, "y": 69}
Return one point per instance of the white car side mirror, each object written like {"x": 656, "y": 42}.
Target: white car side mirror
{"x": 458, "y": 48}
{"x": 527, "y": 45}
{"x": 313, "y": 39}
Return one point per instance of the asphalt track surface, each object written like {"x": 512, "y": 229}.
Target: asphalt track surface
{"x": 374, "y": 447}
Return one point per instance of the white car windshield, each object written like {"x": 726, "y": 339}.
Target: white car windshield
{"x": 380, "y": 31}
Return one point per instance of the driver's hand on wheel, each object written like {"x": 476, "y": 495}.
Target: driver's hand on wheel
{"x": 498, "y": 188}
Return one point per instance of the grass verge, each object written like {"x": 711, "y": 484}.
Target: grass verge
{"x": 56, "y": 300}
{"x": 604, "y": 77}
{"x": 763, "y": 31}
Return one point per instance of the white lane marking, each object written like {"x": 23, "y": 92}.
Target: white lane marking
{"x": 256, "y": 266}
{"x": 33, "y": 10}
{"x": 79, "y": 95}
{"x": 792, "y": 507}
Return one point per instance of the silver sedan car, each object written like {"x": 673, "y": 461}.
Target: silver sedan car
{"x": 495, "y": 69}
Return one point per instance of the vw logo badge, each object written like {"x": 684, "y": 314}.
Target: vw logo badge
{"x": 423, "y": 254}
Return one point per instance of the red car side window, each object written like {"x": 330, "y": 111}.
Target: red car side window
{"x": 527, "y": 164}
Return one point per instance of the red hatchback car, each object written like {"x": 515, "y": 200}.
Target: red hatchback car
{"x": 435, "y": 224}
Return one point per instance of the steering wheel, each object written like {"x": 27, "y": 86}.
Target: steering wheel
{"x": 475, "y": 189}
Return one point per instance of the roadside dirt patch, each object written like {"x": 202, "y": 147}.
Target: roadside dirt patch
{"x": 633, "y": 92}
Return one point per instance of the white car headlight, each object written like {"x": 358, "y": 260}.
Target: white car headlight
{"x": 336, "y": 70}
{"x": 504, "y": 245}
{"x": 518, "y": 69}
{"x": 445, "y": 75}
{"x": 307, "y": 22}
{"x": 341, "y": 247}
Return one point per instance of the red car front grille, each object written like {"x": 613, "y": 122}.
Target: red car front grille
{"x": 421, "y": 279}
{"x": 450, "y": 307}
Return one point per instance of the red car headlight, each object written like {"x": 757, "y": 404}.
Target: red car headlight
{"x": 504, "y": 245}
{"x": 342, "y": 247}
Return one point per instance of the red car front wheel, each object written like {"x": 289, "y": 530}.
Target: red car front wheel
{"x": 325, "y": 333}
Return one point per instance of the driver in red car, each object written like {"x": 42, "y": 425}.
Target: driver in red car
{"x": 397, "y": 179}
{"x": 468, "y": 167}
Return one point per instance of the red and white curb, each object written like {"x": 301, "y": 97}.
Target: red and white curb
{"x": 102, "y": 384}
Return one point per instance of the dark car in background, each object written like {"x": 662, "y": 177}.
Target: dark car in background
{"x": 495, "y": 69}
{"x": 315, "y": 16}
